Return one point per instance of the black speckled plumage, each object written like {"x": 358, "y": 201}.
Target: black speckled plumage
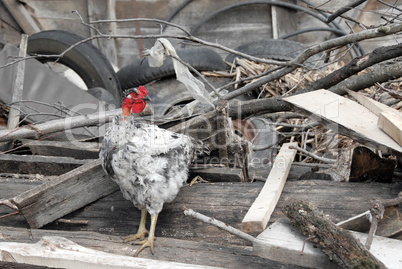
{"x": 148, "y": 163}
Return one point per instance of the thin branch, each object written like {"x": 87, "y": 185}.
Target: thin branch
{"x": 312, "y": 155}
{"x": 344, "y": 9}
{"x": 219, "y": 224}
{"x": 336, "y": 42}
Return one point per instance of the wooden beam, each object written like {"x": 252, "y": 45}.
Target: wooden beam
{"x": 369, "y": 103}
{"x": 260, "y": 212}
{"x": 69, "y": 192}
{"x": 22, "y": 16}
{"x": 391, "y": 123}
{"x": 345, "y": 117}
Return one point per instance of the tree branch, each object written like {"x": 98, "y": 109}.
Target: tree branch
{"x": 356, "y": 65}
{"x": 219, "y": 224}
{"x": 336, "y": 42}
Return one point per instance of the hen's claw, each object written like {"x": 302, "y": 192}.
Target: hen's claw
{"x": 133, "y": 237}
{"x": 145, "y": 243}
{"x": 142, "y": 231}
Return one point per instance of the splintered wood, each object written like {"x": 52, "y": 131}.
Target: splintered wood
{"x": 260, "y": 212}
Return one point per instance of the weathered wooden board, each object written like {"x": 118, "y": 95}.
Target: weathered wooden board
{"x": 260, "y": 212}
{"x": 346, "y": 117}
{"x": 73, "y": 149}
{"x": 282, "y": 242}
{"x": 218, "y": 174}
{"x": 228, "y": 202}
{"x": 166, "y": 249}
{"x": 391, "y": 123}
{"x": 31, "y": 164}
{"x": 56, "y": 251}
{"x": 67, "y": 193}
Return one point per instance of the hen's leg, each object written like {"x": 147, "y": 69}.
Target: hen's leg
{"x": 142, "y": 231}
{"x": 151, "y": 237}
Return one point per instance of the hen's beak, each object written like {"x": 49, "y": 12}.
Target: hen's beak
{"x": 146, "y": 98}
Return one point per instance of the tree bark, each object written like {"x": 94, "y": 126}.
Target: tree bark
{"x": 334, "y": 241}
{"x": 377, "y": 75}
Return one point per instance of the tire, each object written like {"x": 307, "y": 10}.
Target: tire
{"x": 276, "y": 49}
{"x": 86, "y": 60}
{"x": 139, "y": 72}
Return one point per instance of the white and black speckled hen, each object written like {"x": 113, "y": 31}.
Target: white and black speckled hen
{"x": 148, "y": 163}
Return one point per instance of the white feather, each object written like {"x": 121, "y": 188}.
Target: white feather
{"x": 149, "y": 164}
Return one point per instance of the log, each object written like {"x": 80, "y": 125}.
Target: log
{"x": 69, "y": 192}
{"x": 334, "y": 241}
{"x": 282, "y": 242}
{"x": 260, "y": 212}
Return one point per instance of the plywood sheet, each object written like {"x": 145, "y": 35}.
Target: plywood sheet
{"x": 346, "y": 117}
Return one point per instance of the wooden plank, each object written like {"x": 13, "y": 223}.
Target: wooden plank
{"x": 228, "y": 202}
{"x": 14, "y": 114}
{"x": 60, "y": 252}
{"x": 104, "y": 12}
{"x": 345, "y": 117}
{"x": 218, "y": 174}
{"x": 73, "y": 149}
{"x": 69, "y": 192}
{"x": 31, "y": 164}
{"x": 21, "y": 15}
{"x": 369, "y": 103}
{"x": 166, "y": 248}
{"x": 391, "y": 123}
{"x": 260, "y": 212}
{"x": 282, "y": 242}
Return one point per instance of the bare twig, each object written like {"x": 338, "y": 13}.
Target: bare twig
{"x": 312, "y": 155}
{"x": 344, "y": 9}
{"x": 219, "y": 224}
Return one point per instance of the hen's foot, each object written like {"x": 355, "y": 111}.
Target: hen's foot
{"x": 145, "y": 243}
{"x": 133, "y": 237}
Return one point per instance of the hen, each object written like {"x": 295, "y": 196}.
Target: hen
{"x": 148, "y": 163}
